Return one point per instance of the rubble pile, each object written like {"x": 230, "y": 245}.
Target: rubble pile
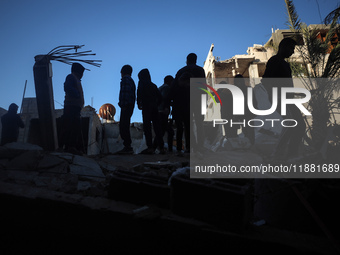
{"x": 27, "y": 164}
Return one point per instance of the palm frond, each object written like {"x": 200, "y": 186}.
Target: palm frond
{"x": 332, "y": 67}
{"x": 334, "y": 15}
{"x": 293, "y": 18}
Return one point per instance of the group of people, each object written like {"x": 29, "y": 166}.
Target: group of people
{"x": 156, "y": 104}
{"x": 175, "y": 93}
{"x": 173, "y": 97}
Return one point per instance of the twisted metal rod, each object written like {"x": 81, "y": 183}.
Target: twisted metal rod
{"x": 60, "y": 54}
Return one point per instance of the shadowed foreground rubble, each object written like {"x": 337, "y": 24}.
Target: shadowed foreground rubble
{"x": 53, "y": 203}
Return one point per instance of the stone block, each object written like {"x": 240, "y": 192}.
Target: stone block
{"x": 23, "y": 146}
{"x": 111, "y": 130}
{"x": 87, "y": 168}
{"x": 50, "y": 161}
{"x": 28, "y": 160}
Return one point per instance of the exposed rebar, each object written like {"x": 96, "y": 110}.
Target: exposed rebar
{"x": 61, "y": 54}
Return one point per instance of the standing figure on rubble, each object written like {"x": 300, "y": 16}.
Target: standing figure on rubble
{"x": 181, "y": 97}
{"x": 248, "y": 131}
{"x": 148, "y": 100}
{"x": 277, "y": 67}
{"x": 164, "y": 110}
{"x": 127, "y": 99}
{"x": 73, "y": 104}
{"x": 11, "y": 122}
{"x": 227, "y": 111}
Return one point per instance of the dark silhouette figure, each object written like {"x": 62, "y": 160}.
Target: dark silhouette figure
{"x": 73, "y": 104}
{"x": 277, "y": 67}
{"x": 148, "y": 100}
{"x": 182, "y": 103}
{"x": 164, "y": 110}
{"x": 227, "y": 112}
{"x": 11, "y": 122}
{"x": 248, "y": 131}
{"x": 180, "y": 95}
{"x": 127, "y": 99}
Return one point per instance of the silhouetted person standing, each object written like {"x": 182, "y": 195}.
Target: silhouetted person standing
{"x": 148, "y": 100}
{"x": 227, "y": 112}
{"x": 277, "y": 67}
{"x": 248, "y": 131}
{"x": 11, "y": 122}
{"x": 180, "y": 95}
{"x": 191, "y": 70}
{"x": 164, "y": 110}
{"x": 73, "y": 104}
{"x": 127, "y": 99}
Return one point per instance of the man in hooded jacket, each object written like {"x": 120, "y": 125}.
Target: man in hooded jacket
{"x": 11, "y": 122}
{"x": 148, "y": 100}
{"x": 73, "y": 104}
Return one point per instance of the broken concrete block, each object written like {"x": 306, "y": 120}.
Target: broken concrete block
{"x": 163, "y": 164}
{"x": 111, "y": 130}
{"x": 6, "y": 153}
{"x": 136, "y": 132}
{"x": 49, "y": 161}
{"x": 240, "y": 142}
{"x": 83, "y": 185}
{"x": 66, "y": 183}
{"x": 23, "y": 146}
{"x": 22, "y": 177}
{"x": 28, "y": 160}
{"x": 107, "y": 166}
{"x": 62, "y": 168}
{"x": 64, "y": 155}
{"x": 86, "y": 167}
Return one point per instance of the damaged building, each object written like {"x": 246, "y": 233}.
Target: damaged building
{"x": 252, "y": 65}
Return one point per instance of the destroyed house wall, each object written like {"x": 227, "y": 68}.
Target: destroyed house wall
{"x": 91, "y": 132}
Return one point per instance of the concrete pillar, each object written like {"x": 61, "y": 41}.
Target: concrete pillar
{"x": 253, "y": 74}
{"x": 42, "y": 70}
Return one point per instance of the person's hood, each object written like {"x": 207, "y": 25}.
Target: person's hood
{"x": 144, "y": 76}
{"x": 13, "y": 108}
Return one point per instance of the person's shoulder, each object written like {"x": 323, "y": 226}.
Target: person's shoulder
{"x": 154, "y": 85}
{"x": 181, "y": 71}
{"x": 128, "y": 79}
{"x": 275, "y": 59}
{"x": 70, "y": 76}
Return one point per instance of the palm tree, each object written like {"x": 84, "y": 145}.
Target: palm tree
{"x": 320, "y": 59}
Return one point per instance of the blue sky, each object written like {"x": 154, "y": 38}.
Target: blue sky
{"x": 157, "y": 35}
